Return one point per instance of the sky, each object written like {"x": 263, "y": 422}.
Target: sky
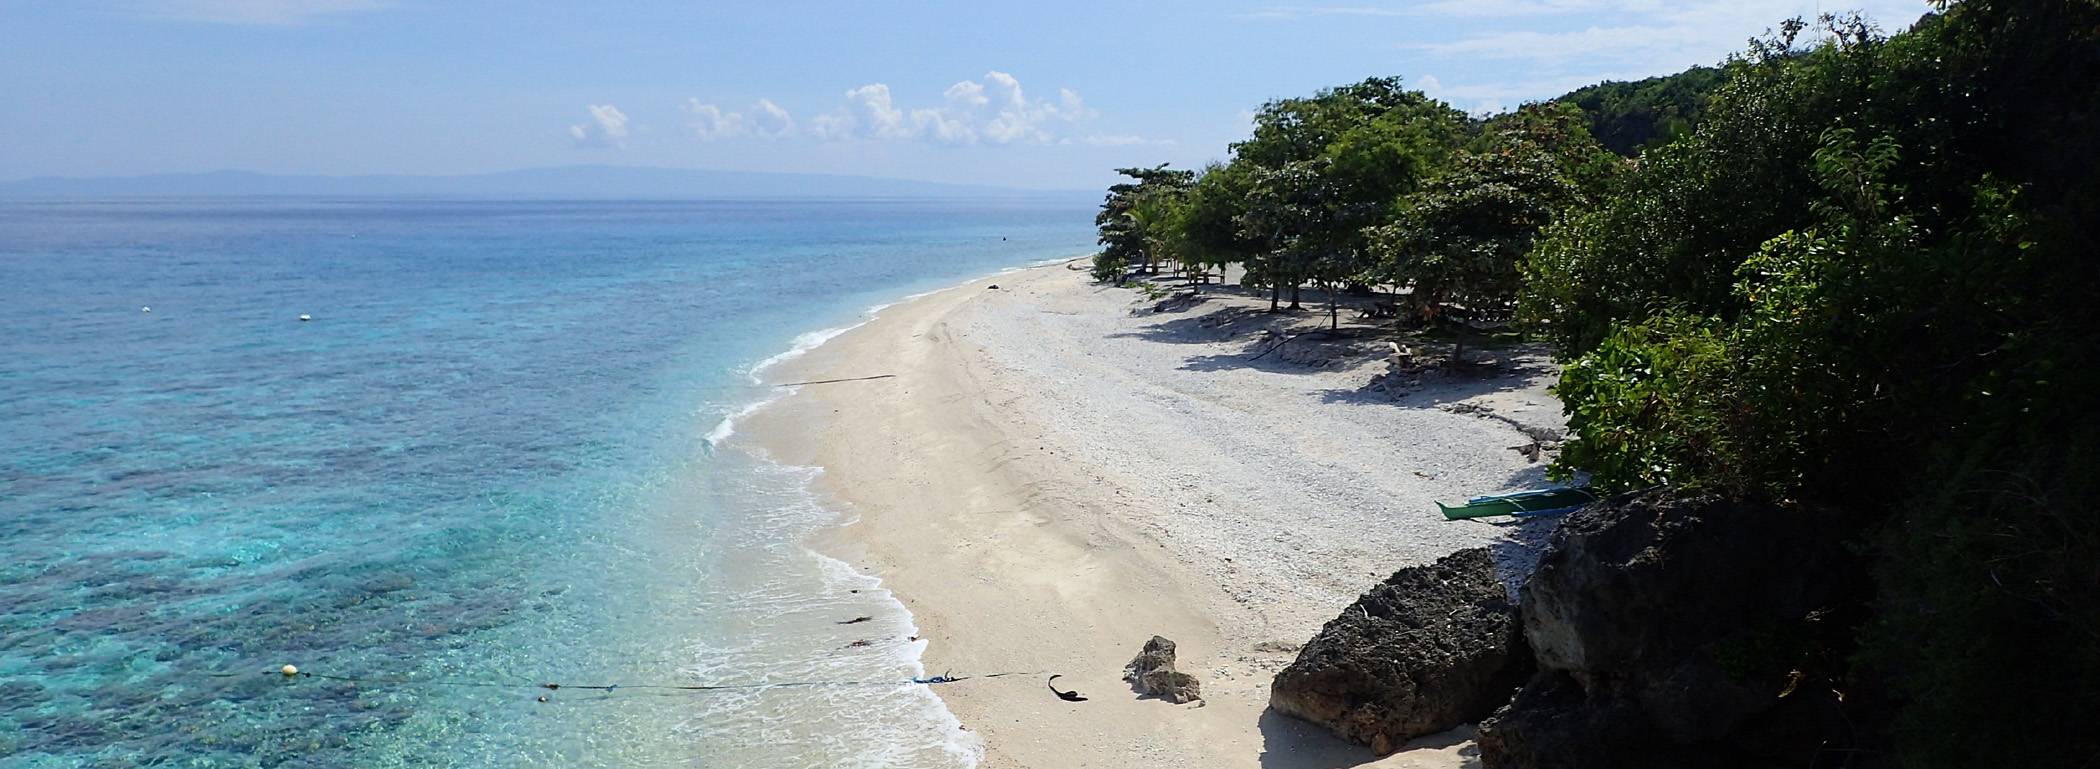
{"x": 1049, "y": 95}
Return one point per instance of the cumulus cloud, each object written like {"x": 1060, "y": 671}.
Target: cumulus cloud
{"x": 968, "y": 93}
{"x": 994, "y": 109}
{"x": 769, "y": 120}
{"x": 765, "y": 120}
{"x": 608, "y": 127}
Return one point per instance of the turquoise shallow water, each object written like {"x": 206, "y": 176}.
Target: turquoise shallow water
{"x": 483, "y": 460}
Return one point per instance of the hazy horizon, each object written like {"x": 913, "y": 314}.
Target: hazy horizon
{"x": 1027, "y": 97}
{"x": 585, "y": 180}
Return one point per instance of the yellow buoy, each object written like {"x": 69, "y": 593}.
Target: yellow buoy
{"x": 290, "y": 670}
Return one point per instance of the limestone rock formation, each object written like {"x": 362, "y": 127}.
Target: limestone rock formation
{"x": 1152, "y": 673}
{"x": 1667, "y": 627}
{"x": 1430, "y": 648}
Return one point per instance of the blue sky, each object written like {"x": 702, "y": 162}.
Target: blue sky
{"x": 1047, "y": 95}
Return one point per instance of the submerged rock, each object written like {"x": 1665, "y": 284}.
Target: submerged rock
{"x": 1669, "y": 627}
{"x": 1430, "y": 648}
{"x": 1152, "y": 673}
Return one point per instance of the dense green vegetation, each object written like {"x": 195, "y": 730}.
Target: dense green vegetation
{"x": 1866, "y": 279}
{"x": 1859, "y": 271}
{"x": 1628, "y": 117}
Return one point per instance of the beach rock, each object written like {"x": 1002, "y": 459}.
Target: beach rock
{"x": 1430, "y": 648}
{"x": 1551, "y": 725}
{"x": 1678, "y": 624}
{"x": 1152, "y": 673}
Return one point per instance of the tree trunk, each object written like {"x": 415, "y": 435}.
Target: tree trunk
{"x": 1294, "y": 296}
{"x": 1275, "y": 291}
{"x": 1334, "y": 320}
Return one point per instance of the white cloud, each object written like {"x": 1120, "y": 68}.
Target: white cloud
{"x": 1565, "y": 36}
{"x": 1654, "y": 35}
{"x": 969, "y": 93}
{"x": 267, "y": 13}
{"x": 1636, "y": 41}
{"x": 766, "y": 120}
{"x": 1769, "y": 11}
{"x": 1496, "y": 96}
{"x": 992, "y": 110}
{"x": 942, "y": 127}
{"x": 771, "y": 121}
{"x": 709, "y": 122}
{"x": 608, "y": 127}
{"x": 872, "y": 111}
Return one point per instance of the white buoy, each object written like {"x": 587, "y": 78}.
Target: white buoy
{"x": 145, "y": 309}
{"x": 290, "y": 670}
{"x": 306, "y": 317}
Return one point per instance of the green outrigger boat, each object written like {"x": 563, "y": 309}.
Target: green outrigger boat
{"x": 1534, "y": 502}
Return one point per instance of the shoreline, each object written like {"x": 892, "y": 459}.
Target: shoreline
{"x": 983, "y": 486}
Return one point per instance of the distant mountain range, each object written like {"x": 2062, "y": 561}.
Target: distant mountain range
{"x": 560, "y": 182}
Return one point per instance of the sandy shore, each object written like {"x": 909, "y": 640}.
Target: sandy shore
{"x": 1058, "y": 472}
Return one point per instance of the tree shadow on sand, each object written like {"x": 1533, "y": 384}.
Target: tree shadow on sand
{"x": 1516, "y": 370}
{"x": 1288, "y": 743}
{"x": 1218, "y": 325}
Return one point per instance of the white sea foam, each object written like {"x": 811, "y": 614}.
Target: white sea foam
{"x": 917, "y": 728}
{"x": 777, "y": 618}
{"x": 802, "y": 345}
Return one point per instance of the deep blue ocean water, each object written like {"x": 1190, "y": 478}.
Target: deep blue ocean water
{"x": 483, "y": 460}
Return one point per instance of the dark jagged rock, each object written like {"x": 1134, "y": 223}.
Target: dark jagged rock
{"x": 1430, "y": 648}
{"x": 1668, "y": 627}
{"x": 1152, "y": 673}
{"x": 1551, "y": 725}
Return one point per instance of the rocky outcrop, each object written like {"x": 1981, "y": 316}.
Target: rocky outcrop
{"x": 1430, "y": 648}
{"x": 1152, "y": 673}
{"x": 1669, "y": 628}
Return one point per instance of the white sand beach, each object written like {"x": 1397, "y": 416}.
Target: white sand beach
{"x": 1057, "y": 472}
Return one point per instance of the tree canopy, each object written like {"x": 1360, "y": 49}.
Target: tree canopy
{"x": 1846, "y": 266}
{"x": 1865, "y": 279}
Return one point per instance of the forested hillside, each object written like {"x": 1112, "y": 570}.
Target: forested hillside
{"x": 1627, "y": 117}
{"x": 1846, "y": 266}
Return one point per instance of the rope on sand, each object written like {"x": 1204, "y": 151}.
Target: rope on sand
{"x": 831, "y": 381}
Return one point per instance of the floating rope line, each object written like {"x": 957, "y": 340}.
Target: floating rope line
{"x": 778, "y": 385}
{"x": 291, "y": 672}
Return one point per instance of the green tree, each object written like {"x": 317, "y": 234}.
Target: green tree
{"x": 1458, "y": 242}
{"x": 1864, "y": 278}
{"x": 1320, "y": 170}
{"x": 1208, "y": 223}
{"x": 1627, "y": 117}
{"x": 1126, "y": 214}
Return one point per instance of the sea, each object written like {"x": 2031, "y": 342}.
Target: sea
{"x": 437, "y": 453}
